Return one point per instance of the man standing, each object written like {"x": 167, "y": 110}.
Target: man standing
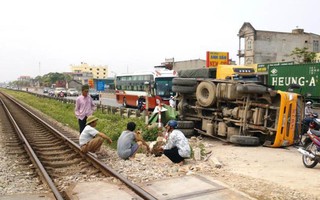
{"x": 177, "y": 147}
{"x": 84, "y": 107}
{"x": 90, "y": 138}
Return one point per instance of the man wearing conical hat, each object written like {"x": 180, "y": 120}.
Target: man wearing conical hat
{"x": 90, "y": 138}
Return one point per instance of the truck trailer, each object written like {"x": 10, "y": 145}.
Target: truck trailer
{"x": 238, "y": 108}
{"x": 288, "y": 77}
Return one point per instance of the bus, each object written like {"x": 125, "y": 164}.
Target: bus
{"x": 156, "y": 84}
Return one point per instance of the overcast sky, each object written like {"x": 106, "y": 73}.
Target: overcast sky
{"x": 40, "y": 36}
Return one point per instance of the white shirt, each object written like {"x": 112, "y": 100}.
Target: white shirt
{"x": 177, "y": 139}
{"x": 172, "y": 103}
{"x": 87, "y": 134}
{"x": 308, "y": 111}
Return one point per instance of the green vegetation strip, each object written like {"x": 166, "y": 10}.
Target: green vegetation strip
{"x": 111, "y": 125}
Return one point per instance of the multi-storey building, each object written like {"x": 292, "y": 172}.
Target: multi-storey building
{"x": 257, "y": 46}
{"x": 98, "y": 72}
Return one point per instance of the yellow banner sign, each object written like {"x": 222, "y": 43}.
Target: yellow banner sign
{"x": 217, "y": 58}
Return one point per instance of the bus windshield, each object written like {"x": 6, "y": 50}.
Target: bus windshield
{"x": 163, "y": 87}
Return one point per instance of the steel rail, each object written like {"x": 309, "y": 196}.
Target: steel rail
{"x": 98, "y": 164}
{"x": 33, "y": 156}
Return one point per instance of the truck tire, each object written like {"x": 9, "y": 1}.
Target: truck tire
{"x": 251, "y": 89}
{"x": 185, "y": 124}
{"x": 206, "y": 93}
{"x": 187, "y": 132}
{"x": 245, "y": 140}
{"x": 184, "y": 81}
{"x": 183, "y": 89}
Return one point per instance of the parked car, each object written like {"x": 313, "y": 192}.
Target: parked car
{"x": 94, "y": 94}
{"x": 72, "y": 92}
{"x": 45, "y": 90}
{"x": 60, "y": 92}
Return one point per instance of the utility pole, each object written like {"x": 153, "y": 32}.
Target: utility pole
{"x": 39, "y": 69}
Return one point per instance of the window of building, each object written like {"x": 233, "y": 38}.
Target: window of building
{"x": 249, "y": 45}
{"x": 315, "y": 46}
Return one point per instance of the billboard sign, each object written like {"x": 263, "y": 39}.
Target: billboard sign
{"x": 263, "y": 68}
{"x": 100, "y": 85}
{"x": 217, "y": 58}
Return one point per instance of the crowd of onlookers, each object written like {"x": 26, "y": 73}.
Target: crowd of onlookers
{"x": 175, "y": 144}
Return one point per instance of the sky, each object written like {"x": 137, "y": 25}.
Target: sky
{"x": 42, "y": 36}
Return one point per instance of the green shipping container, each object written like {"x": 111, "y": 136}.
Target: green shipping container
{"x": 305, "y": 75}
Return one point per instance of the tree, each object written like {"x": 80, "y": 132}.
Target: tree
{"x": 303, "y": 55}
{"x": 38, "y": 80}
{"x": 53, "y": 77}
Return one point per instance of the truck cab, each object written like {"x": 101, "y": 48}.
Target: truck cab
{"x": 236, "y": 72}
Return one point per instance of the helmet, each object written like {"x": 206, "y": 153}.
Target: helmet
{"x": 172, "y": 123}
{"x": 309, "y": 103}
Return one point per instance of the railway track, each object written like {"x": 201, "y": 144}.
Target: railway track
{"x": 52, "y": 161}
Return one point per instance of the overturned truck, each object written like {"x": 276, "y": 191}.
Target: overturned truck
{"x": 237, "y": 109}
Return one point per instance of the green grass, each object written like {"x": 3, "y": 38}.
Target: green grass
{"x": 111, "y": 125}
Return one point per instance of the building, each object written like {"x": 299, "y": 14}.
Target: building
{"x": 24, "y": 78}
{"x": 187, "y": 64}
{"x": 257, "y": 46}
{"x": 81, "y": 77}
{"x": 75, "y": 84}
{"x": 98, "y": 72}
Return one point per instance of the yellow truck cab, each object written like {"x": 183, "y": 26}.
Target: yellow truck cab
{"x": 291, "y": 113}
{"x": 235, "y": 72}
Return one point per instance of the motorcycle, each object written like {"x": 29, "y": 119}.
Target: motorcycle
{"x": 141, "y": 104}
{"x": 311, "y": 150}
{"x": 307, "y": 121}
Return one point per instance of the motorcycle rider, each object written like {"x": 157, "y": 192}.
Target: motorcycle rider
{"x": 141, "y": 100}
{"x": 309, "y": 117}
{"x": 308, "y": 112}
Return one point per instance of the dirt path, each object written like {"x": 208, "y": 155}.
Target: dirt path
{"x": 281, "y": 166}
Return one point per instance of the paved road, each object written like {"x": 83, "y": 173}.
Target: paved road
{"x": 106, "y": 98}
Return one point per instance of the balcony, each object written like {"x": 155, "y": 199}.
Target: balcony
{"x": 241, "y": 53}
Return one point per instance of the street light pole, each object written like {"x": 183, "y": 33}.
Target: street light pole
{"x": 147, "y": 87}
